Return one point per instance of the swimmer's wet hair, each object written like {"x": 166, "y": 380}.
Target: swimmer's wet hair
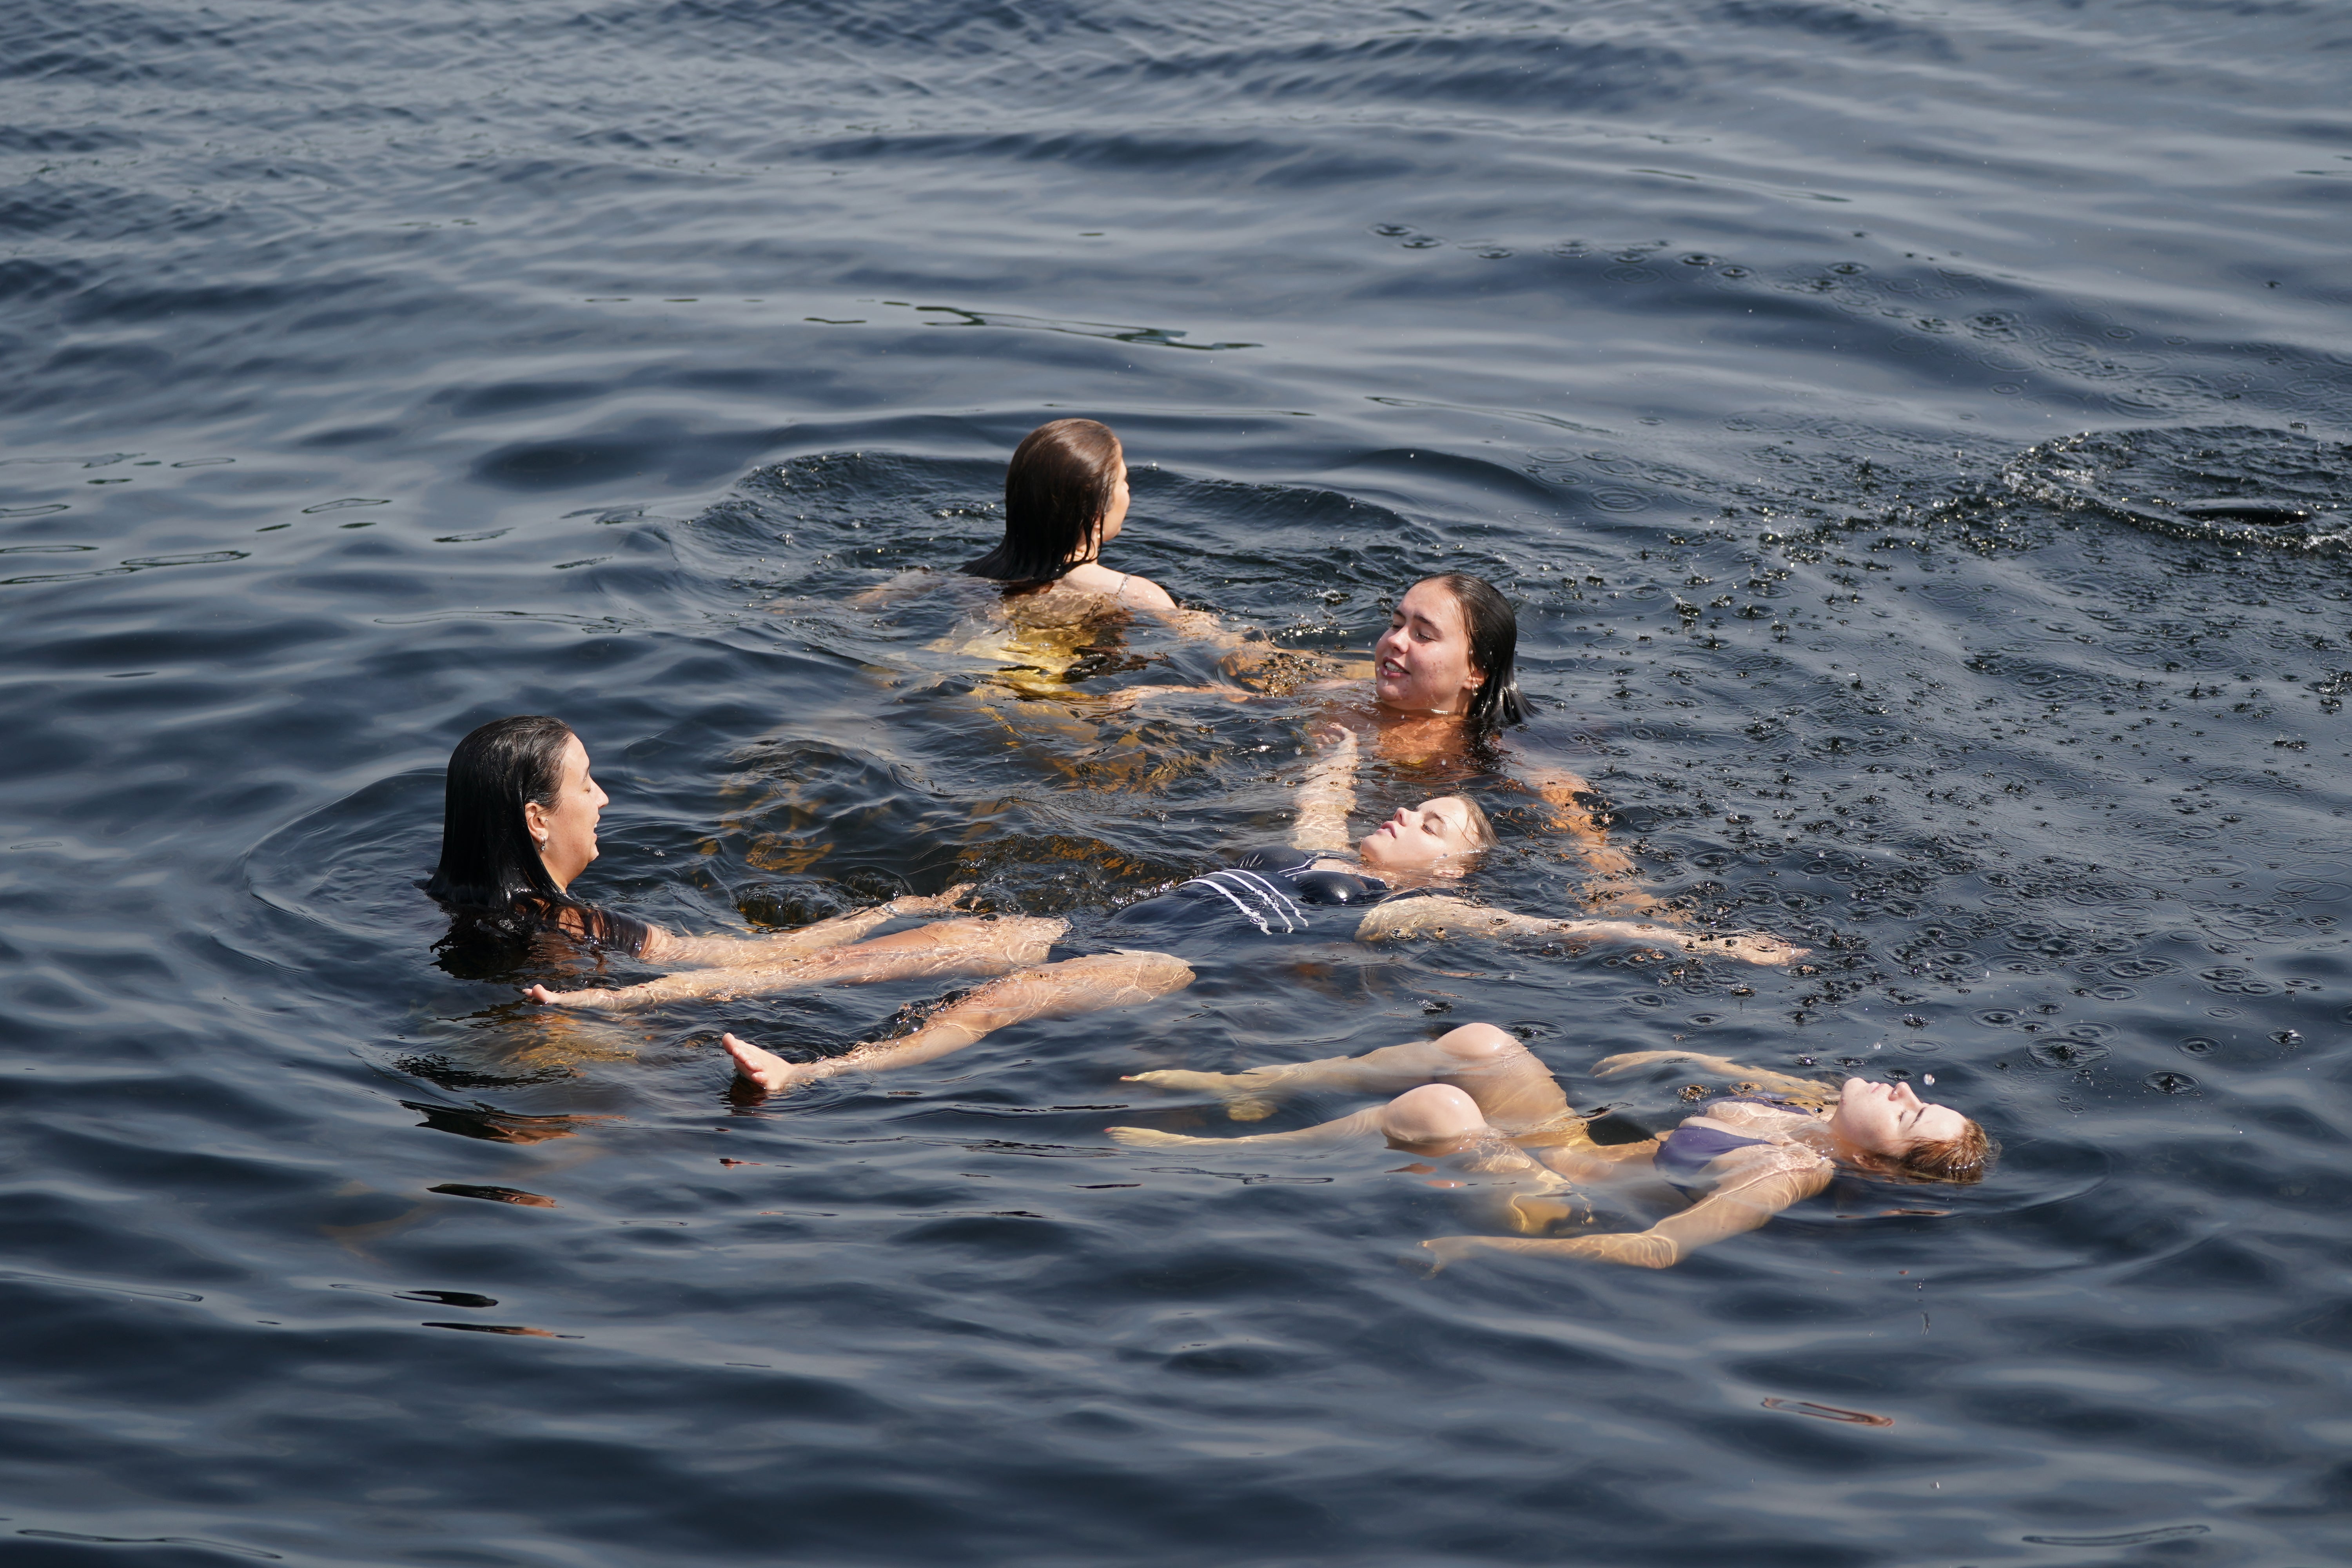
{"x": 491, "y": 870}
{"x": 1962, "y": 1160}
{"x": 1056, "y": 488}
{"x": 1482, "y": 831}
{"x": 1493, "y": 628}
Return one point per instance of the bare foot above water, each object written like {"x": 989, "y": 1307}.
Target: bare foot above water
{"x": 767, "y": 1069}
{"x": 546, "y": 998}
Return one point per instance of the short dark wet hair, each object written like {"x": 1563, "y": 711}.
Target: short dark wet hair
{"x": 1056, "y": 488}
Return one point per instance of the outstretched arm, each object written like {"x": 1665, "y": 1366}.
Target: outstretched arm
{"x": 1270, "y": 672}
{"x": 905, "y": 585}
{"x": 1626, "y": 1061}
{"x": 765, "y": 952}
{"x": 1327, "y": 794}
{"x": 1720, "y": 1214}
{"x": 990, "y": 945}
{"x": 1198, "y": 624}
{"x": 1442, "y": 915}
{"x": 1560, "y": 788}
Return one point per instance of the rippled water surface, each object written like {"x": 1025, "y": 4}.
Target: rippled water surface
{"x": 1915, "y": 434}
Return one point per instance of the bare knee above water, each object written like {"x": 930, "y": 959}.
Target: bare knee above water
{"x": 1434, "y": 1113}
{"x": 1476, "y": 1043}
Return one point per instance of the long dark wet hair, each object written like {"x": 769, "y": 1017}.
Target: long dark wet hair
{"x": 490, "y": 874}
{"x": 1056, "y": 488}
{"x": 1494, "y": 631}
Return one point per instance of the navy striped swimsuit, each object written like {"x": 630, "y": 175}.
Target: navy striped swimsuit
{"x": 1267, "y": 892}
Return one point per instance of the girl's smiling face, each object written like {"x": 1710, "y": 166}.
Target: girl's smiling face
{"x": 1422, "y": 663}
{"x": 1888, "y": 1118}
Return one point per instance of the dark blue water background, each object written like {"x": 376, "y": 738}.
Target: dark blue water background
{"x": 1914, "y": 431}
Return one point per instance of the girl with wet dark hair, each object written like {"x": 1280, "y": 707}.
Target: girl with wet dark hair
{"x": 1066, "y": 496}
{"x": 1445, "y": 682}
{"x": 1491, "y": 628}
{"x": 1450, "y": 652}
{"x": 1444, "y": 673}
{"x": 1445, "y": 688}
{"x": 519, "y": 826}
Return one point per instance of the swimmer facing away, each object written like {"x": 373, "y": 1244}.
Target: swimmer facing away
{"x": 1745, "y": 1157}
{"x": 519, "y": 826}
{"x": 1065, "y": 499}
{"x": 1066, "y": 496}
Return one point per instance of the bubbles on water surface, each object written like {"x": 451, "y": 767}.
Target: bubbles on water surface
{"x": 2227, "y": 484}
{"x": 2065, "y": 1052}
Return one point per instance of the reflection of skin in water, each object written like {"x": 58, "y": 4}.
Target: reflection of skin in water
{"x": 493, "y": 1125}
{"x": 1477, "y": 1086}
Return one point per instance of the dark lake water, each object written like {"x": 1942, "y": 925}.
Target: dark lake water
{"x": 1915, "y": 434}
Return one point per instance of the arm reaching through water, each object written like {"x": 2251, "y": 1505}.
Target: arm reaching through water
{"x": 1440, "y": 915}
{"x": 766, "y": 951}
{"x": 1328, "y": 794}
{"x": 988, "y": 946}
{"x": 1626, "y": 1061}
{"x": 904, "y": 586}
{"x": 1727, "y": 1212}
{"x": 1559, "y": 789}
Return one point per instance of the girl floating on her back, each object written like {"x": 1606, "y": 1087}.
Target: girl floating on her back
{"x": 1746, "y": 1156}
